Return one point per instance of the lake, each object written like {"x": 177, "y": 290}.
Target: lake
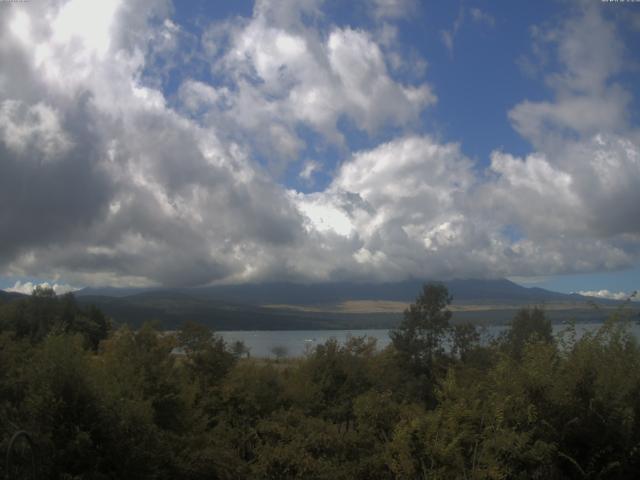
{"x": 297, "y": 342}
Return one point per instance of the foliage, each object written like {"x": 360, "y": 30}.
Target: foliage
{"x": 419, "y": 337}
{"x": 43, "y": 312}
{"x": 145, "y": 404}
{"x": 529, "y": 324}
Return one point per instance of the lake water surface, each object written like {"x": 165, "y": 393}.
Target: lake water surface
{"x": 298, "y": 342}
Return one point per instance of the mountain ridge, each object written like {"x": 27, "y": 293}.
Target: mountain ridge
{"x": 340, "y": 306}
{"x": 464, "y": 291}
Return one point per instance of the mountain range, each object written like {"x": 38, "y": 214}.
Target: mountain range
{"x": 464, "y": 291}
{"x": 345, "y": 305}
{"x": 272, "y": 306}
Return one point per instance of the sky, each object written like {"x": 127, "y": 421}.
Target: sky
{"x": 151, "y": 143}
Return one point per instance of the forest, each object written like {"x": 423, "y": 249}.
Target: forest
{"x": 102, "y": 401}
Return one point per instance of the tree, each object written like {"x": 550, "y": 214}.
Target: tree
{"x": 239, "y": 349}
{"x": 207, "y": 356}
{"x": 337, "y": 374}
{"x": 279, "y": 351}
{"x": 528, "y": 325}
{"x": 194, "y": 337}
{"x": 44, "y": 313}
{"x": 464, "y": 338}
{"x": 419, "y": 338}
{"x": 43, "y": 291}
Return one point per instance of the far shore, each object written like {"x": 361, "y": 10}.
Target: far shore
{"x": 388, "y": 306}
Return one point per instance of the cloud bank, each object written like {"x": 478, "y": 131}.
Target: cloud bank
{"x": 28, "y": 287}
{"x": 106, "y": 178}
{"x": 610, "y": 295}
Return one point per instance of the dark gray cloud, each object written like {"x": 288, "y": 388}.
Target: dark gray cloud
{"x": 48, "y": 196}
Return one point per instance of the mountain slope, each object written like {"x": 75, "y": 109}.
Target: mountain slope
{"x": 9, "y": 296}
{"x": 307, "y": 307}
{"x": 464, "y": 291}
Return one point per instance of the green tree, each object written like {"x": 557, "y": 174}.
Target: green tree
{"x": 43, "y": 291}
{"x": 44, "y": 313}
{"x": 419, "y": 340}
{"x": 239, "y": 349}
{"x": 327, "y": 381}
{"x": 464, "y": 338}
{"x": 528, "y": 325}
{"x": 206, "y": 353}
{"x": 279, "y": 351}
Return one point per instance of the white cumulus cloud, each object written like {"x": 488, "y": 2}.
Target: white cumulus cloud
{"x": 28, "y": 287}
{"x": 106, "y": 179}
{"x": 609, "y": 295}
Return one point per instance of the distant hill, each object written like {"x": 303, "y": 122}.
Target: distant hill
{"x": 243, "y": 307}
{"x": 344, "y": 305}
{"x": 464, "y": 291}
{"x": 9, "y": 296}
{"x": 171, "y": 309}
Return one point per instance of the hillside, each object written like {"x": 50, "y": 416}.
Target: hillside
{"x": 464, "y": 291}
{"x": 287, "y": 306}
{"x": 9, "y": 296}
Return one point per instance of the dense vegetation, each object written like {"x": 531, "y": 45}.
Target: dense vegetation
{"x": 119, "y": 403}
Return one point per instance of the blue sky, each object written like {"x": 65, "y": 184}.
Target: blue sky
{"x": 210, "y": 142}
{"x": 477, "y": 81}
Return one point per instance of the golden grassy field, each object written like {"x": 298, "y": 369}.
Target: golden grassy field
{"x": 387, "y": 306}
